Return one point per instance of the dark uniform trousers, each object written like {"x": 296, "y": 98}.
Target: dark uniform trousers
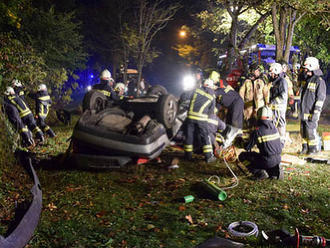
{"x": 201, "y": 107}
{"x": 267, "y": 139}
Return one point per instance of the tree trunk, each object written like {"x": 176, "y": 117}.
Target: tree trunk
{"x": 231, "y": 52}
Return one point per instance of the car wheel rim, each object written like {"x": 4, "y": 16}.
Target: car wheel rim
{"x": 171, "y": 111}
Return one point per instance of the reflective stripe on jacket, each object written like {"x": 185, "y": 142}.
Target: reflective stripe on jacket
{"x": 202, "y": 104}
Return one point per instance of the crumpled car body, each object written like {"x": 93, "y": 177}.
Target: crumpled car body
{"x": 113, "y": 135}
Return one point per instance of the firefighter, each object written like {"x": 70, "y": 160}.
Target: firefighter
{"x": 266, "y": 163}
{"x": 24, "y": 113}
{"x": 254, "y": 93}
{"x": 106, "y": 86}
{"x": 288, "y": 77}
{"x": 230, "y": 99}
{"x": 16, "y": 121}
{"x": 313, "y": 94}
{"x": 43, "y": 102}
{"x": 201, "y": 107}
{"x": 18, "y": 87}
{"x": 121, "y": 89}
{"x": 278, "y": 98}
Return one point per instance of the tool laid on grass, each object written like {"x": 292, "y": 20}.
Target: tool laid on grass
{"x": 284, "y": 238}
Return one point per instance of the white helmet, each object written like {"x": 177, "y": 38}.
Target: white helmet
{"x": 42, "y": 87}
{"x": 265, "y": 113}
{"x": 16, "y": 83}
{"x": 276, "y": 68}
{"x": 311, "y": 63}
{"x": 120, "y": 87}
{"x": 105, "y": 75}
{"x": 209, "y": 83}
{"x": 9, "y": 91}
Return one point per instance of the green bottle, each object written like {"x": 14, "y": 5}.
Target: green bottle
{"x": 214, "y": 190}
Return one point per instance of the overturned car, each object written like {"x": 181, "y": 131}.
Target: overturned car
{"x": 110, "y": 134}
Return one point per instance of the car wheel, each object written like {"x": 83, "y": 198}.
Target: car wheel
{"x": 94, "y": 100}
{"x": 167, "y": 108}
{"x": 157, "y": 90}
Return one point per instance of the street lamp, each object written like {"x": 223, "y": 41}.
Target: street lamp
{"x": 183, "y": 33}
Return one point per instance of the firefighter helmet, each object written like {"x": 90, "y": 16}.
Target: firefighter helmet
{"x": 265, "y": 113}
{"x": 311, "y": 64}
{"x": 209, "y": 83}
{"x": 42, "y": 87}
{"x": 120, "y": 87}
{"x": 255, "y": 66}
{"x": 214, "y": 76}
{"x": 276, "y": 68}
{"x": 105, "y": 75}
{"x": 16, "y": 83}
{"x": 9, "y": 91}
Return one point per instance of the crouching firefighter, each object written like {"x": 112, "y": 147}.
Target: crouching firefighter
{"x": 313, "y": 94}
{"x": 43, "y": 102}
{"x": 266, "y": 163}
{"x": 24, "y": 113}
{"x": 201, "y": 107}
{"x": 16, "y": 121}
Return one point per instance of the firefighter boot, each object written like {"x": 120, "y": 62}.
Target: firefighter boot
{"x": 211, "y": 159}
{"x": 50, "y": 133}
{"x": 304, "y": 149}
{"x": 260, "y": 175}
{"x": 26, "y": 139}
{"x": 276, "y": 172}
{"x": 40, "y": 136}
{"x": 312, "y": 150}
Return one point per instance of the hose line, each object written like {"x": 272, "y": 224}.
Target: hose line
{"x": 245, "y": 225}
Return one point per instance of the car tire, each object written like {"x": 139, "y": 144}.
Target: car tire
{"x": 94, "y": 100}
{"x": 167, "y": 108}
{"x": 157, "y": 90}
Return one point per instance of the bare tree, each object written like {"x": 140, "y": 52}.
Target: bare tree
{"x": 152, "y": 17}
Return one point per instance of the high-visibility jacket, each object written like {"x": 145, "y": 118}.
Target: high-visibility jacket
{"x": 254, "y": 94}
{"x": 106, "y": 90}
{"x": 313, "y": 95}
{"x": 43, "y": 103}
{"x": 20, "y": 104}
{"x": 267, "y": 139}
{"x": 202, "y": 104}
{"x": 279, "y": 94}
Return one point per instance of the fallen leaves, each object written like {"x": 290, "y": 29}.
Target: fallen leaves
{"x": 189, "y": 218}
{"x": 51, "y": 206}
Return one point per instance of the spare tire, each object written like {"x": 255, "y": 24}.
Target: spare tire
{"x": 94, "y": 100}
{"x": 167, "y": 108}
{"x": 157, "y": 90}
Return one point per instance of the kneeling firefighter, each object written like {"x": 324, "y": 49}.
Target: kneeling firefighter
{"x": 266, "y": 163}
{"x": 201, "y": 107}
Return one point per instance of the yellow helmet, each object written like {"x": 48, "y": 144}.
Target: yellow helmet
{"x": 214, "y": 76}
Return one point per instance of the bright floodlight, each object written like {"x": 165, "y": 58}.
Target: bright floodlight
{"x": 89, "y": 88}
{"x": 189, "y": 82}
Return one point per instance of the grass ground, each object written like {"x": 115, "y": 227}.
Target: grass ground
{"x": 137, "y": 206}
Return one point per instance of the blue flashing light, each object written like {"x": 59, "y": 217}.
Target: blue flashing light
{"x": 91, "y": 76}
{"x": 261, "y": 45}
